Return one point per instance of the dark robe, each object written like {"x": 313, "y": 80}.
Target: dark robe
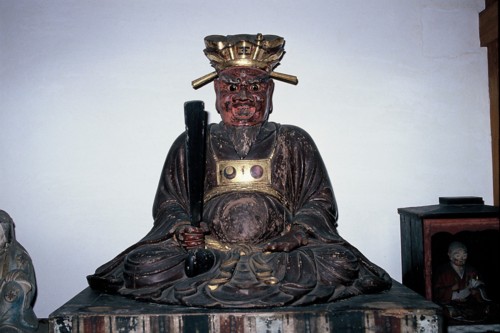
{"x": 447, "y": 277}
{"x": 476, "y": 307}
{"x": 240, "y": 223}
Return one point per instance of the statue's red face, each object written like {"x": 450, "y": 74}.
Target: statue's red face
{"x": 244, "y": 96}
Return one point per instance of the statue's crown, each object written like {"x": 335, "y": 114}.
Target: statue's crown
{"x": 257, "y": 51}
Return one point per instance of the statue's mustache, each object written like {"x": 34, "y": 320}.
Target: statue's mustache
{"x": 243, "y": 108}
{"x": 240, "y": 103}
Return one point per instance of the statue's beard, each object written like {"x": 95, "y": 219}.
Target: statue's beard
{"x": 243, "y": 137}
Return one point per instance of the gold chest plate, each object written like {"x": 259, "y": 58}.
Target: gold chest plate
{"x": 243, "y": 172}
{"x": 243, "y": 175}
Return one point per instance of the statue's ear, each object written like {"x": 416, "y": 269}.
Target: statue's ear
{"x": 217, "y": 86}
{"x": 270, "y": 94}
{"x": 217, "y": 91}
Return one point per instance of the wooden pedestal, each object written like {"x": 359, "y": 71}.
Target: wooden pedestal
{"x": 398, "y": 310}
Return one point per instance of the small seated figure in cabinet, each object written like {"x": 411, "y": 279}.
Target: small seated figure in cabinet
{"x": 458, "y": 286}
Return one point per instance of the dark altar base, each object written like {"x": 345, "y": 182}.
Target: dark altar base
{"x": 398, "y": 310}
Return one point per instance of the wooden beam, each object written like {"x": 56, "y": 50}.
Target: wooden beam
{"x": 488, "y": 35}
{"x": 488, "y": 23}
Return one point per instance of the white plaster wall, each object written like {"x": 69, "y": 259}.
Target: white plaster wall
{"x": 394, "y": 92}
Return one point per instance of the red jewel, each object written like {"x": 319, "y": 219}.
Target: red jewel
{"x": 256, "y": 171}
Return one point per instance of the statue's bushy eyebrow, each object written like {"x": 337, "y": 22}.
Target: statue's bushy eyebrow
{"x": 230, "y": 79}
{"x": 236, "y": 80}
{"x": 262, "y": 79}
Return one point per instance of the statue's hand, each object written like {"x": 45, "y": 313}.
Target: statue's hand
{"x": 192, "y": 237}
{"x": 460, "y": 295}
{"x": 287, "y": 242}
{"x": 475, "y": 283}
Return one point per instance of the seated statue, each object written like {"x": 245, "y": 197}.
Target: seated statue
{"x": 459, "y": 288}
{"x": 269, "y": 220}
{"x": 17, "y": 282}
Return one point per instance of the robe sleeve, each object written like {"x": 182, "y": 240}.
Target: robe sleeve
{"x": 444, "y": 281}
{"x": 170, "y": 208}
{"x": 169, "y": 211}
{"x": 309, "y": 193}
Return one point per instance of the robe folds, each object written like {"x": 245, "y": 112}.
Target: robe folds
{"x": 447, "y": 278}
{"x": 241, "y": 221}
{"x": 18, "y": 287}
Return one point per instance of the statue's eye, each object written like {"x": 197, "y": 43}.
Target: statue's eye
{"x": 233, "y": 87}
{"x": 255, "y": 87}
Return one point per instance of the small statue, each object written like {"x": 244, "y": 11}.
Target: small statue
{"x": 17, "y": 282}
{"x": 458, "y": 286}
{"x": 268, "y": 235}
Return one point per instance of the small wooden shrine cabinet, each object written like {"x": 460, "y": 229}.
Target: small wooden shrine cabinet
{"x": 427, "y": 231}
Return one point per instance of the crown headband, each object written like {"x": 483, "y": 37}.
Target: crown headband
{"x": 257, "y": 51}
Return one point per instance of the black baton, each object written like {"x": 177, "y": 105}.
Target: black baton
{"x": 198, "y": 261}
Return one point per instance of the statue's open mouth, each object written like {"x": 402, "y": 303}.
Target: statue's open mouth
{"x": 243, "y": 112}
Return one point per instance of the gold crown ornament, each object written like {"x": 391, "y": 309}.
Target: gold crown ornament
{"x": 257, "y": 51}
